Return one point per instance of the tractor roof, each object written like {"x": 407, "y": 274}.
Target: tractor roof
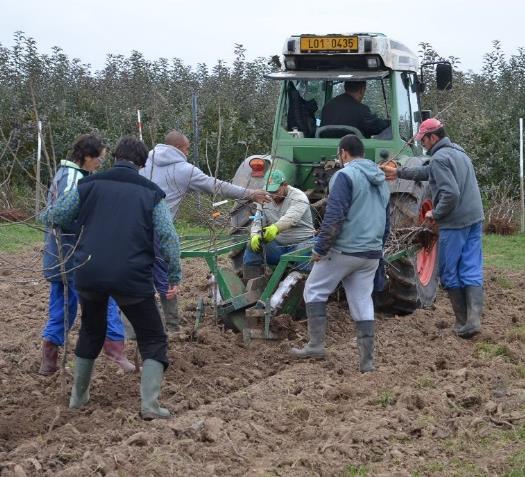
{"x": 363, "y": 52}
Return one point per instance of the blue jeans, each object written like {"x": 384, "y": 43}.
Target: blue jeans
{"x": 461, "y": 257}
{"x": 54, "y": 328}
{"x": 274, "y": 251}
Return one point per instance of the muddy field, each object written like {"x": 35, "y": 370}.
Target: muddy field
{"x": 436, "y": 405}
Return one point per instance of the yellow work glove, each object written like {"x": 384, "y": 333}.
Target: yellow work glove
{"x": 270, "y": 232}
{"x": 255, "y": 243}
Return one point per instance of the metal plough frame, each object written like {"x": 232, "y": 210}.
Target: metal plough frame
{"x": 231, "y": 287}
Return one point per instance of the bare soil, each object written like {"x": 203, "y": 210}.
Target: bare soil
{"x": 437, "y": 405}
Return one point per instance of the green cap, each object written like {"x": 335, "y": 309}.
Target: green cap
{"x": 274, "y": 180}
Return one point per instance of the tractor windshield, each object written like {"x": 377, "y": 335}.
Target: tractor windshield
{"x": 315, "y": 107}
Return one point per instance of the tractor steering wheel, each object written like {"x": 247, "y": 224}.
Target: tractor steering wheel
{"x": 337, "y": 131}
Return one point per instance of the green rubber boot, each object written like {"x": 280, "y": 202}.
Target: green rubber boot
{"x": 152, "y": 373}
{"x": 170, "y": 310}
{"x": 474, "y": 310}
{"x": 458, "y": 301}
{"x": 82, "y": 378}
{"x": 365, "y": 344}
{"x": 316, "y": 314}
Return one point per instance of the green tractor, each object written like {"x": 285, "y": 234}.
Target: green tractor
{"x": 315, "y": 70}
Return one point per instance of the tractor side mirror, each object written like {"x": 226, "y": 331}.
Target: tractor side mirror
{"x": 420, "y": 116}
{"x": 444, "y": 76}
{"x": 426, "y": 114}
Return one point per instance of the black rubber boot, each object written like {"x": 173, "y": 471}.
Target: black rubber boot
{"x": 365, "y": 344}
{"x": 251, "y": 271}
{"x": 80, "y": 391}
{"x": 316, "y": 314}
{"x": 170, "y": 311}
{"x": 474, "y": 309}
{"x": 458, "y": 299}
{"x": 152, "y": 374}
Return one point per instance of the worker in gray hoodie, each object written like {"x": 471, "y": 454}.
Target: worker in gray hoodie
{"x": 168, "y": 167}
{"x": 348, "y": 249}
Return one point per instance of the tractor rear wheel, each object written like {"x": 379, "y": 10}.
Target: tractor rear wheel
{"x": 412, "y": 281}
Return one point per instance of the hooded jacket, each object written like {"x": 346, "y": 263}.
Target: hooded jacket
{"x": 355, "y": 221}
{"x": 170, "y": 170}
{"x": 65, "y": 180}
{"x": 455, "y": 193}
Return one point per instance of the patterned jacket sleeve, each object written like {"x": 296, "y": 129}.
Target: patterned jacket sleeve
{"x": 63, "y": 212}
{"x": 168, "y": 241}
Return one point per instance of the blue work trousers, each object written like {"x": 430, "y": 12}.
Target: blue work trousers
{"x": 54, "y": 328}
{"x": 461, "y": 257}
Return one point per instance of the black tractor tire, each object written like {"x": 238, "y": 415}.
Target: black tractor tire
{"x": 404, "y": 291}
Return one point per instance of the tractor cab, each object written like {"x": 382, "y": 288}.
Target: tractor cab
{"x": 317, "y": 71}
{"x": 314, "y": 102}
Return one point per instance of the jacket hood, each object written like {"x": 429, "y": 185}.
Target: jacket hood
{"x": 370, "y": 170}
{"x": 445, "y": 142}
{"x": 164, "y": 155}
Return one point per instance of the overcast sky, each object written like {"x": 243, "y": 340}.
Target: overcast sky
{"x": 205, "y": 31}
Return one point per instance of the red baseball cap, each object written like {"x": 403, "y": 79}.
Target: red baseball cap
{"x": 428, "y": 126}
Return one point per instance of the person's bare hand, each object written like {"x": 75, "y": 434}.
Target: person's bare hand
{"x": 260, "y": 196}
{"x": 172, "y": 292}
{"x": 316, "y": 257}
{"x": 390, "y": 172}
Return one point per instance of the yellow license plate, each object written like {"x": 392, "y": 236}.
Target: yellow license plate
{"x": 329, "y": 43}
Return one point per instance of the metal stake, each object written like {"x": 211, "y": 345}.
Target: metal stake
{"x": 522, "y": 190}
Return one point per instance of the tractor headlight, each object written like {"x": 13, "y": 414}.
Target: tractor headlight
{"x": 372, "y": 63}
{"x": 290, "y": 63}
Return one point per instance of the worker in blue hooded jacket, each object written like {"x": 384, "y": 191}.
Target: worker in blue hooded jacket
{"x": 348, "y": 249}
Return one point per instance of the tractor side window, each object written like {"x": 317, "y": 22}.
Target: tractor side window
{"x": 414, "y": 102}
{"x": 312, "y": 90}
{"x": 301, "y": 107}
{"x": 404, "y": 112}
{"x": 377, "y": 97}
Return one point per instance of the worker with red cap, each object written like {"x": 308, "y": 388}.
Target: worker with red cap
{"x": 458, "y": 211}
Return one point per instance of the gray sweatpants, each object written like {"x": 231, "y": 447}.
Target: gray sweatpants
{"x": 357, "y": 275}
